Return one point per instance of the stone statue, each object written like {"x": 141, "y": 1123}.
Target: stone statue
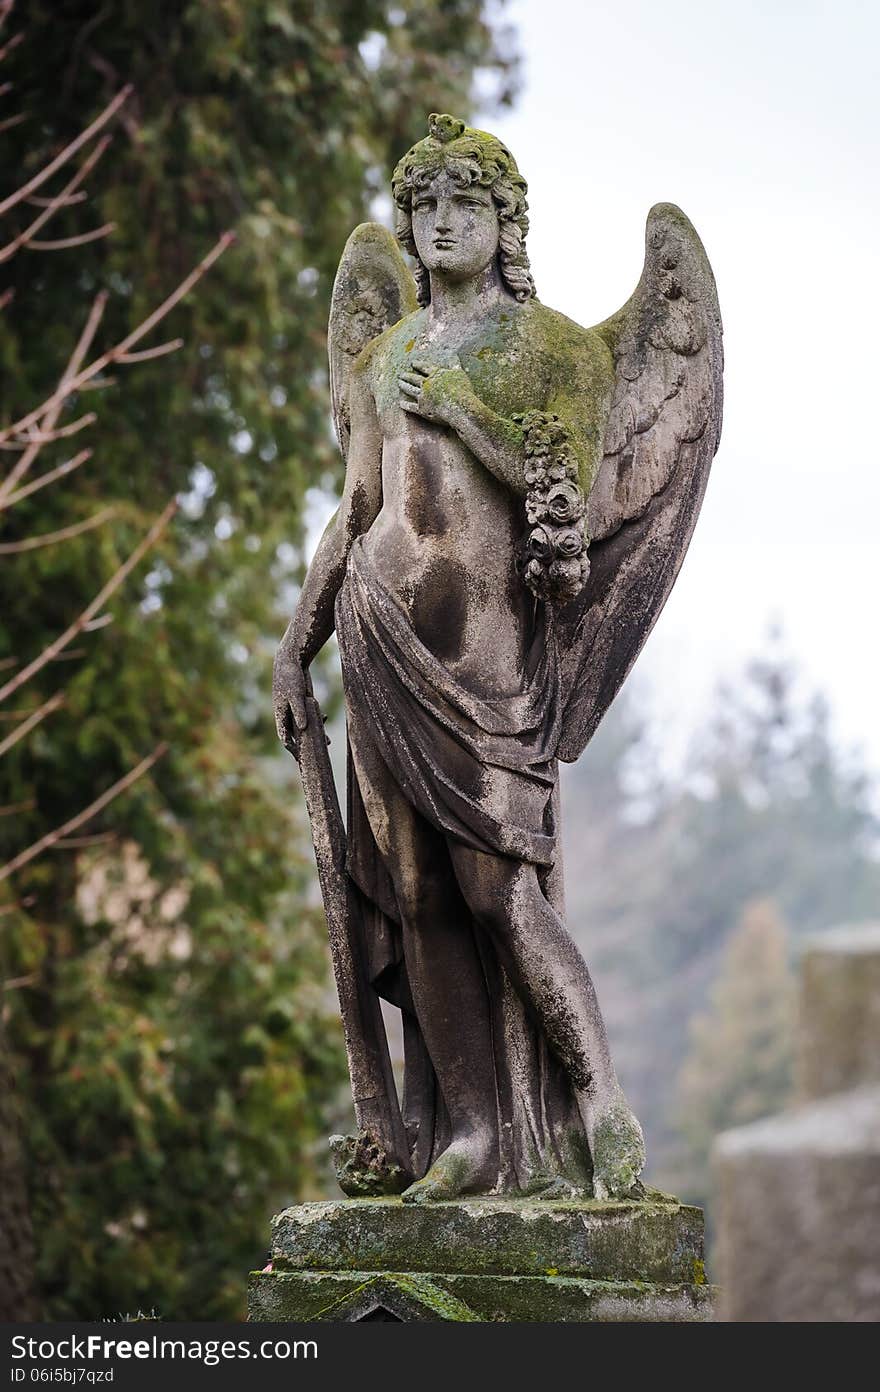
{"x": 518, "y": 499}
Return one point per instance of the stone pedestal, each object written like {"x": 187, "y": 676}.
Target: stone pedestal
{"x": 485, "y": 1259}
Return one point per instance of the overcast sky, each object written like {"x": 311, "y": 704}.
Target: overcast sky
{"x": 761, "y": 121}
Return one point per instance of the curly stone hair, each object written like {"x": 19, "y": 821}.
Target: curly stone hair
{"x": 471, "y": 157}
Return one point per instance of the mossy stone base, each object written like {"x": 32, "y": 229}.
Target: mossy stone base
{"x": 485, "y": 1259}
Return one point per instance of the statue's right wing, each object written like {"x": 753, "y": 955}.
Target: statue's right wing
{"x": 373, "y": 289}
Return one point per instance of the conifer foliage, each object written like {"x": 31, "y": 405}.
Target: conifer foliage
{"x": 165, "y": 1008}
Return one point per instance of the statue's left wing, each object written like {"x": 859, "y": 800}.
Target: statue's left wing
{"x": 373, "y": 289}
{"x": 662, "y": 431}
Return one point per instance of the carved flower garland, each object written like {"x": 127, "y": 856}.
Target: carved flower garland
{"x": 556, "y": 564}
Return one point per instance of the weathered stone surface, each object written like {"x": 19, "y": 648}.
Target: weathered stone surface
{"x": 659, "y": 1240}
{"x": 405, "y": 1297}
{"x": 490, "y": 443}
{"x": 838, "y": 1044}
{"x": 799, "y": 1219}
{"x": 485, "y": 1259}
{"x": 299, "y": 1296}
{"x": 799, "y": 1204}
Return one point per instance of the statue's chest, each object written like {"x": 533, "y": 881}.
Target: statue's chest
{"x": 505, "y": 371}
{"x": 508, "y": 377}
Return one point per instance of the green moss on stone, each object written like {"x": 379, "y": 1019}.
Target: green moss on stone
{"x": 306, "y": 1296}
{"x": 531, "y": 358}
{"x": 652, "y": 1239}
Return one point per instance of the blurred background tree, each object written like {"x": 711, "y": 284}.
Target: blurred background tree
{"x": 170, "y": 1025}
{"x": 168, "y": 1018}
{"x": 739, "y": 1062}
{"x": 679, "y": 887}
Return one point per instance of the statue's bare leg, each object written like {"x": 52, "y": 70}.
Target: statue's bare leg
{"x": 451, "y": 1001}
{"x": 547, "y": 969}
{"x": 448, "y": 989}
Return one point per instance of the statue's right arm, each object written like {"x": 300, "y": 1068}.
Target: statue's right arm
{"x": 313, "y": 621}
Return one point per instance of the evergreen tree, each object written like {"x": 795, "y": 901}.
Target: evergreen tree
{"x": 739, "y": 1064}
{"x": 171, "y": 1027}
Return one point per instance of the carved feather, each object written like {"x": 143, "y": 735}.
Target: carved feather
{"x": 662, "y": 431}
{"x": 373, "y": 289}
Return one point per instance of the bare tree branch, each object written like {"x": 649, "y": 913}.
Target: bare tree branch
{"x": 99, "y": 384}
{"x": 34, "y": 719}
{"x": 13, "y": 42}
{"x": 49, "y": 477}
{"x": 75, "y": 843}
{"x": 100, "y": 622}
{"x": 68, "y": 152}
{"x": 113, "y": 354}
{"x": 47, "y": 417}
{"x": 48, "y": 437}
{"x": 91, "y": 609}
{"x": 14, "y": 548}
{"x": 63, "y": 243}
{"x": 54, "y": 204}
{"x": 146, "y": 353}
{"x": 24, "y": 857}
{"x": 37, "y": 201}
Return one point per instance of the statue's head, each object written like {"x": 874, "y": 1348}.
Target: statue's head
{"x": 463, "y": 183}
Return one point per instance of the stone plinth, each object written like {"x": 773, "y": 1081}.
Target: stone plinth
{"x": 485, "y": 1259}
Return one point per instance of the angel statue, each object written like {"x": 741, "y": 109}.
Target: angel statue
{"x": 519, "y": 496}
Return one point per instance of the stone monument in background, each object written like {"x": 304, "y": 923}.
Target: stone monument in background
{"x": 519, "y": 496}
{"x": 799, "y": 1193}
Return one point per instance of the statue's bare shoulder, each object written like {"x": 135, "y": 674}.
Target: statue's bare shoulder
{"x": 380, "y": 362}
{"x": 573, "y": 359}
{"x": 558, "y": 366}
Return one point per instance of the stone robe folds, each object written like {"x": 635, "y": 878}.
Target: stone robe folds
{"x": 483, "y": 772}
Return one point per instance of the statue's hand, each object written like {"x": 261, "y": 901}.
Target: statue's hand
{"x": 435, "y": 393}
{"x": 289, "y": 687}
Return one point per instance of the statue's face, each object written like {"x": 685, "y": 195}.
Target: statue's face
{"x": 455, "y": 229}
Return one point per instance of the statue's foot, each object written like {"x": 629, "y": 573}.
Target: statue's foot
{"x": 467, "y": 1166}
{"x": 616, "y": 1145}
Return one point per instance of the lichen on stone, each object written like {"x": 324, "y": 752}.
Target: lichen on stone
{"x": 363, "y": 1169}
